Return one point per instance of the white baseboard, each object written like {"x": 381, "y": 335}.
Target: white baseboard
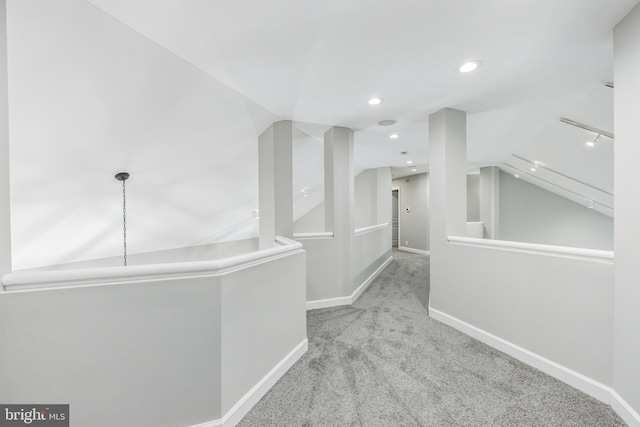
{"x": 248, "y": 401}
{"x": 356, "y": 294}
{"x": 626, "y": 412}
{"x": 583, "y": 383}
{"x": 214, "y": 423}
{"x": 329, "y": 302}
{"x": 415, "y": 251}
{"x": 335, "y": 302}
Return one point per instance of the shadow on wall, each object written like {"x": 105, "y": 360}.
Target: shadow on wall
{"x": 533, "y": 215}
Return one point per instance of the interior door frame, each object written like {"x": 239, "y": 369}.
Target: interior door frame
{"x": 399, "y": 190}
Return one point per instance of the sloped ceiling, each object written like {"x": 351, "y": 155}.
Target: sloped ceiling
{"x": 176, "y": 92}
{"x": 90, "y": 97}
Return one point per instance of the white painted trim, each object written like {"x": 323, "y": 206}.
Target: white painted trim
{"x": 581, "y": 382}
{"x": 356, "y": 294}
{"x": 314, "y": 235}
{"x": 248, "y": 401}
{"x": 415, "y": 251}
{"x": 61, "y": 279}
{"x": 335, "y": 302}
{"x": 622, "y": 408}
{"x": 535, "y": 248}
{"x": 214, "y": 423}
{"x": 329, "y": 302}
{"x": 363, "y": 230}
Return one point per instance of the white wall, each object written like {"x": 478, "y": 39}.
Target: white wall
{"x": 371, "y": 249}
{"x": 558, "y": 308}
{"x": 176, "y": 351}
{"x": 414, "y": 225}
{"x": 365, "y": 198}
{"x": 368, "y": 251}
{"x": 308, "y": 178}
{"x": 263, "y": 317}
{"x": 322, "y": 282}
{"x": 312, "y": 221}
{"x": 473, "y": 197}
{"x": 531, "y": 214}
{"x": 5, "y": 211}
{"x": 627, "y": 208}
{"x": 546, "y": 306}
{"x": 90, "y": 97}
{"x": 489, "y": 194}
{"x": 150, "y": 349}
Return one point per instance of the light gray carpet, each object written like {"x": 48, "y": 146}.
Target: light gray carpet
{"x": 384, "y": 362}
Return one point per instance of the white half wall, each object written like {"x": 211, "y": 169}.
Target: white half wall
{"x": 556, "y": 307}
{"x": 181, "y": 344}
{"x": 328, "y": 287}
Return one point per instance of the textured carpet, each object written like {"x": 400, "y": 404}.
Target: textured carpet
{"x": 384, "y": 362}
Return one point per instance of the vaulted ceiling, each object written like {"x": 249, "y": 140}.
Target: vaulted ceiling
{"x": 176, "y": 92}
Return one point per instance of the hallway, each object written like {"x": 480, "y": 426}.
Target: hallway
{"x": 384, "y": 362}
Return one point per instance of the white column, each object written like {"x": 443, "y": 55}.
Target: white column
{"x": 339, "y": 181}
{"x": 276, "y": 182}
{"x": 627, "y": 211}
{"x": 490, "y": 201}
{"x": 5, "y": 218}
{"x": 447, "y": 176}
{"x": 339, "y": 194}
{"x": 383, "y": 196}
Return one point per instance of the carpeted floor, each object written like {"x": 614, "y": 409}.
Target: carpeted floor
{"x": 383, "y": 362}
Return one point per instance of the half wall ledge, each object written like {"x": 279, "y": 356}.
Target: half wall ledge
{"x": 119, "y": 275}
{"x": 363, "y": 230}
{"x": 594, "y": 255}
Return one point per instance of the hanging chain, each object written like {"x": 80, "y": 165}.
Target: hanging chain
{"x": 124, "y": 220}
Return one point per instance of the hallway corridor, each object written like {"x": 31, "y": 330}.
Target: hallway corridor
{"x": 383, "y": 362}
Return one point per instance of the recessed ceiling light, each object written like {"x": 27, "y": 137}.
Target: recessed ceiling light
{"x": 387, "y": 122}
{"x": 470, "y": 66}
{"x": 375, "y": 101}
{"x": 409, "y": 162}
{"x": 394, "y": 136}
{"x": 517, "y": 175}
{"x": 414, "y": 170}
{"x": 534, "y": 168}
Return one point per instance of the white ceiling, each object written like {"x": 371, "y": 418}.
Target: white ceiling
{"x": 176, "y": 92}
{"x": 319, "y": 62}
